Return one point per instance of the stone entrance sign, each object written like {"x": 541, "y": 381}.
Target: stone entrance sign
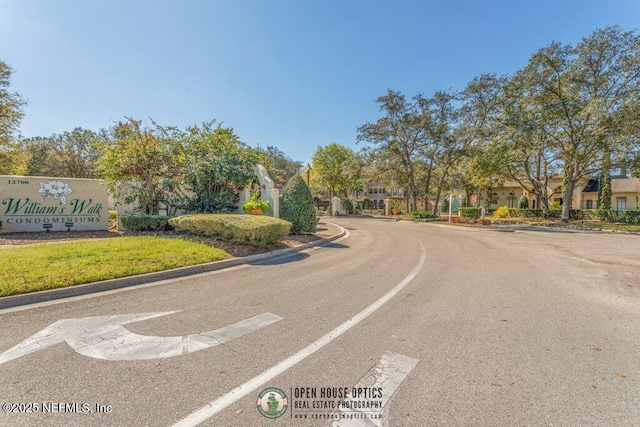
{"x": 37, "y": 203}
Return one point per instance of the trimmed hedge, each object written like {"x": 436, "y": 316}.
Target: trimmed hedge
{"x": 469, "y": 212}
{"x": 146, "y": 223}
{"x": 608, "y": 215}
{"x": 421, "y": 215}
{"x": 605, "y": 215}
{"x": 298, "y": 207}
{"x": 236, "y": 228}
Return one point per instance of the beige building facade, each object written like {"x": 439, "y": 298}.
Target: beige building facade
{"x": 624, "y": 194}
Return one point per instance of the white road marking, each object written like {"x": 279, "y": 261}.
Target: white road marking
{"x": 105, "y": 338}
{"x": 388, "y": 374}
{"x": 239, "y": 392}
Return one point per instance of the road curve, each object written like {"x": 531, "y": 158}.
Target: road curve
{"x": 524, "y": 328}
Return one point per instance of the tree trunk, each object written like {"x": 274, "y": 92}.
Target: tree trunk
{"x": 570, "y": 178}
{"x": 427, "y": 188}
{"x": 412, "y": 194}
{"x": 445, "y": 174}
{"x": 436, "y": 206}
{"x": 566, "y": 202}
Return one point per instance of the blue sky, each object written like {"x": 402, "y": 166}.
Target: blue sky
{"x": 291, "y": 73}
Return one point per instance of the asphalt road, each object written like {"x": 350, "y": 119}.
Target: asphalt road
{"x": 523, "y": 328}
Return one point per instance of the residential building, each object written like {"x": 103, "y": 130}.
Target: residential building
{"x": 624, "y": 194}
{"x": 377, "y": 193}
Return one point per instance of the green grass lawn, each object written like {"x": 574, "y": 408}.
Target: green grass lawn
{"x": 54, "y": 265}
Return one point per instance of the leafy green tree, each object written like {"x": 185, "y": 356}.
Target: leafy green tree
{"x": 586, "y": 91}
{"x": 458, "y": 129}
{"x": 139, "y": 164}
{"x": 523, "y": 148}
{"x": 330, "y": 168}
{"x": 298, "y": 207}
{"x": 635, "y": 167}
{"x": 214, "y": 165}
{"x": 399, "y": 136}
{"x": 281, "y": 167}
{"x": 12, "y": 159}
{"x": 383, "y": 169}
{"x": 70, "y": 154}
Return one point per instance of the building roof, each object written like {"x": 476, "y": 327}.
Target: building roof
{"x": 511, "y": 184}
{"x": 592, "y": 186}
{"x": 619, "y": 184}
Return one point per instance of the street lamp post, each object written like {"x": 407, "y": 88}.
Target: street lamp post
{"x": 308, "y": 169}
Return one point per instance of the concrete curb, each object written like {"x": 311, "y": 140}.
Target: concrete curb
{"x": 125, "y": 282}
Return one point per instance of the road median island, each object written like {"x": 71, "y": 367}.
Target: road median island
{"x": 38, "y": 267}
{"x": 37, "y": 273}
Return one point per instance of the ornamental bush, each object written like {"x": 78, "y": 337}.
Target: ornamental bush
{"x": 609, "y": 215}
{"x": 530, "y": 213}
{"x": 421, "y": 214}
{"x": 146, "y": 223}
{"x": 523, "y": 203}
{"x": 298, "y": 207}
{"x": 501, "y": 212}
{"x": 469, "y": 212}
{"x": 605, "y": 215}
{"x": 244, "y": 229}
{"x": 348, "y": 206}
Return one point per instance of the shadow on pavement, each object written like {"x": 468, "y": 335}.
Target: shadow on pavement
{"x": 296, "y": 256}
{"x": 335, "y": 246}
{"x": 285, "y": 259}
{"x": 553, "y": 230}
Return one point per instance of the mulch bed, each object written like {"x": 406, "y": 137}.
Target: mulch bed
{"x": 12, "y": 239}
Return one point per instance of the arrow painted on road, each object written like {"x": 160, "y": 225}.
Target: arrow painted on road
{"x": 106, "y": 338}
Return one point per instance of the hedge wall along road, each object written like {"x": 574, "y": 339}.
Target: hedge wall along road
{"x": 255, "y": 230}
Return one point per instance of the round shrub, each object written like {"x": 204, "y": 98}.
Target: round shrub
{"x": 501, "y": 212}
{"x": 298, "y": 207}
{"x": 348, "y": 206}
{"x": 523, "y": 203}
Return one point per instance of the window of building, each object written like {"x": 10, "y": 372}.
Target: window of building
{"x": 589, "y": 204}
{"x": 621, "y": 203}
